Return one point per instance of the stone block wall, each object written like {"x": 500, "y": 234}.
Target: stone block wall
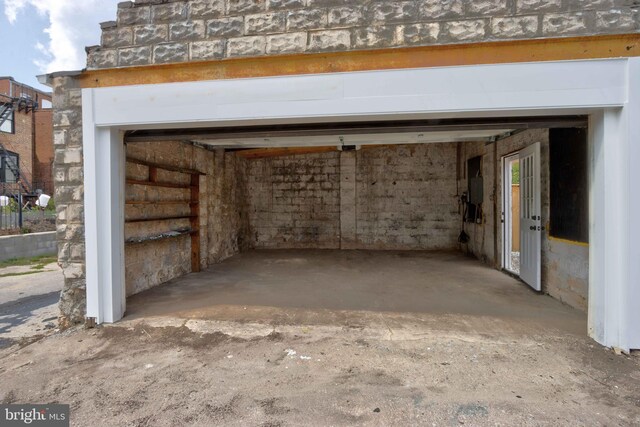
{"x": 169, "y": 31}
{"x": 69, "y": 197}
{"x": 228, "y": 219}
{"x": 294, "y": 201}
{"x": 152, "y": 262}
{"x": 222, "y": 210}
{"x": 406, "y": 197}
{"x": 394, "y": 197}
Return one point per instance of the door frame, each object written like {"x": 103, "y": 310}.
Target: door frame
{"x": 507, "y": 220}
{"x": 607, "y": 90}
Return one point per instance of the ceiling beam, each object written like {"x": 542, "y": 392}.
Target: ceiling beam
{"x": 357, "y": 128}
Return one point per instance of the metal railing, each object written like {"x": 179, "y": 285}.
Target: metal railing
{"x": 19, "y": 212}
{"x": 11, "y": 212}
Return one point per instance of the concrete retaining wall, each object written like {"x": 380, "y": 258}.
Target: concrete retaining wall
{"x": 28, "y": 245}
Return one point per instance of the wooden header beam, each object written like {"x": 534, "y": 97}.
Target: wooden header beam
{"x": 537, "y": 50}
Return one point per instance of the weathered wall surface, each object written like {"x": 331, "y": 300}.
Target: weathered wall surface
{"x": 406, "y": 197}
{"x": 152, "y": 262}
{"x": 565, "y": 265}
{"x": 69, "y": 197}
{"x": 397, "y": 197}
{"x": 295, "y": 201}
{"x": 228, "y": 219}
{"x": 222, "y": 210}
{"x": 165, "y": 31}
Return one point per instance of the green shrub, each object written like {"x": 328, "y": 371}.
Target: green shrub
{"x": 51, "y": 207}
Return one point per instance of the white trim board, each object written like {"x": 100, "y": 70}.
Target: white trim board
{"x": 519, "y": 89}
{"x": 608, "y": 90}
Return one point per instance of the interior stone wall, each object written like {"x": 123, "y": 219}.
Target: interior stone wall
{"x": 402, "y": 197}
{"x": 406, "y": 197}
{"x": 222, "y": 210}
{"x": 294, "y": 201}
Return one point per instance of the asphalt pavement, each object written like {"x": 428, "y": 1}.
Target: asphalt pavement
{"x": 28, "y": 303}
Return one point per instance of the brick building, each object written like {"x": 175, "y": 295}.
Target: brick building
{"x": 28, "y": 134}
{"x": 206, "y": 128}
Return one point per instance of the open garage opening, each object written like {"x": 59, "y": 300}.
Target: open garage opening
{"x": 401, "y": 220}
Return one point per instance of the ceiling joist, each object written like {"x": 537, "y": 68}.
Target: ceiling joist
{"x": 204, "y": 135}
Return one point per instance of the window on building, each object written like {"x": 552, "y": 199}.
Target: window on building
{"x": 7, "y": 126}
{"x": 569, "y": 184}
{"x": 9, "y": 163}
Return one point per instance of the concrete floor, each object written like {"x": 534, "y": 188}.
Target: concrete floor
{"x": 352, "y": 288}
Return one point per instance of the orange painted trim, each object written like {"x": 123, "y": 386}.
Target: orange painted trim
{"x": 557, "y": 49}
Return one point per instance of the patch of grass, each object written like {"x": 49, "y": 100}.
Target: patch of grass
{"x": 37, "y": 263}
{"x": 22, "y": 274}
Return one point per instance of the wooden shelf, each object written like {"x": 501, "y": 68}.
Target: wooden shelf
{"x": 168, "y": 235}
{"x": 170, "y": 218}
{"x": 193, "y": 202}
{"x": 164, "y": 167}
{"x": 158, "y": 184}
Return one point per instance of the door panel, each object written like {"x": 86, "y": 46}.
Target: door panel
{"x": 530, "y": 216}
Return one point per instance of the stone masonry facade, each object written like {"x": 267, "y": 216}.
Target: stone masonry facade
{"x": 169, "y": 31}
{"x": 68, "y": 177}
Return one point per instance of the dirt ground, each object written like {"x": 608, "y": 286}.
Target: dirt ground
{"x": 257, "y": 341}
{"x": 396, "y": 370}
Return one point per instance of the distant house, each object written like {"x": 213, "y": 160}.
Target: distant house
{"x": 26, "y": 134}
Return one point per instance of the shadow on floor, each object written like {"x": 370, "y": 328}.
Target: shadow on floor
{"x": 17, "y": 312}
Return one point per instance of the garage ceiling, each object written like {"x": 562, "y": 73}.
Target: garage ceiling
{"x": 359, "y": 133}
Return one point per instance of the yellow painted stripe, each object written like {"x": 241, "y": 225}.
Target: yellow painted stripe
{"x": 569, "y": 242}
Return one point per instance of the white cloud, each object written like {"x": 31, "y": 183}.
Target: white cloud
{"x": 73, "y": 24}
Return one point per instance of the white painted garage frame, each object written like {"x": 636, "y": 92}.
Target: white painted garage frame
{"x": 607, "y": 90}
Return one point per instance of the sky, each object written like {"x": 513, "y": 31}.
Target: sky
{"x": 44, "y": 36}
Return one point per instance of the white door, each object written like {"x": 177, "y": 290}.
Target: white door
{"x": 530, "y": 216}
